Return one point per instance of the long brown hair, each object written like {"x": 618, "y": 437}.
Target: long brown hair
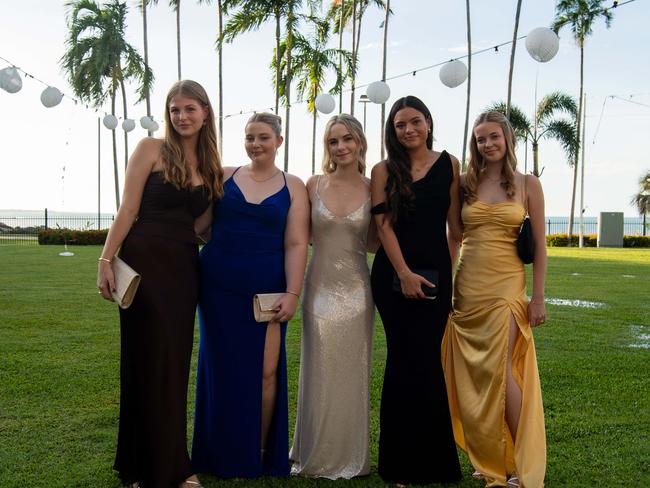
{"x": 477, "y": 165}
{"x": 356, "y": 131}
{"x": 399, "y": 195}
{"x": 175, "y": 167}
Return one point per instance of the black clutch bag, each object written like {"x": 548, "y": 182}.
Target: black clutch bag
{"x": 525, "y": 242}
{"x": 430, "y": 274}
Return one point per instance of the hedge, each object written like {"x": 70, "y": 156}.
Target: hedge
{"x": 97, "y": 237}
{"x": 72, "y": 237}
{"x": 590, "y": 240}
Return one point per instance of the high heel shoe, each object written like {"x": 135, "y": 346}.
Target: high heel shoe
{"x": 513, "y": 481}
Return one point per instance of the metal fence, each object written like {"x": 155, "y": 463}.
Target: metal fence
{"x": 23, "y": 229}
{"x": 632, "y": 226}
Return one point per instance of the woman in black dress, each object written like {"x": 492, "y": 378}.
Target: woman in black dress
{"x": 169, "y": 183}
{"x": 413, "y": 192}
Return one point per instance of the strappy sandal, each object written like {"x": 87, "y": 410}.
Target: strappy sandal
{"x": 477, "y": 475}
{"x": 513, "y": 482}
{"x": 193, "y": 484}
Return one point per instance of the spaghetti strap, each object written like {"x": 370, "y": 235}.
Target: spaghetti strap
{"x": 233, "y": 173}
{"x": 285, "y": 178}
{"x": 318, "y": 187}
{"x": 525, "y": 194}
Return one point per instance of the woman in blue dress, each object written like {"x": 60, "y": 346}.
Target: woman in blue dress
{"x": 259, "y": 237}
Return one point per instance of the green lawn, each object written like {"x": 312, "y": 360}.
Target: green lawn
{"x": 59, "y": 356}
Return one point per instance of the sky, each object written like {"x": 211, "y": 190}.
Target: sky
{"x": 49, "y": 156}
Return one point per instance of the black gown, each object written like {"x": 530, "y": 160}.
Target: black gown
{"x": 157, "y": 335}
{"x": 416, "y": 442}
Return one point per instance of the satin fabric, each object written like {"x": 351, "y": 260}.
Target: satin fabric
{"x": 489, "y": 290}
{"x": 332, "y": 433}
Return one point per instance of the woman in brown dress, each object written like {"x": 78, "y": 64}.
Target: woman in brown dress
{"x": 169, "y": 183}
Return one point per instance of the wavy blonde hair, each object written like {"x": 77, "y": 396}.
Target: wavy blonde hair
{"x": 356, "y": 130}
{"x": 476, "y": 164}
{"x": 175, "y": 167}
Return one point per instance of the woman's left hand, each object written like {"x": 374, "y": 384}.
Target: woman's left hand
{"x": 286, "y": 307}
{"x": 536, "y": 313}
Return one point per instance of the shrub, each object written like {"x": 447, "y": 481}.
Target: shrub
{"x": 591, "y": 240}
{"x": 636, "y": 241}
{"x": 72, "y": 237}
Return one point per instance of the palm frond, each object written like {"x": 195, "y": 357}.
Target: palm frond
{"x": 564, "y": 132}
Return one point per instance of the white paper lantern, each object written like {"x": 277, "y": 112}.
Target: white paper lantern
{"x": 145, "y": 122}
{"x": 128, "y": 125}
{"x": 378, "y": 92}
{"x": 10, "y": 80}
{"x": 51, "y": 97}
{"x": 110, "y": 121}
{"x": 153, "y": 127}
{"x": 324, "y": 103}
{"x": 542, "y": 44}
{"x": 453, "y": 73}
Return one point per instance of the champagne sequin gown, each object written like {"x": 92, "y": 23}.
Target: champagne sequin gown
{"x": 332, "y": 426}
{"x": 489, "y": 290}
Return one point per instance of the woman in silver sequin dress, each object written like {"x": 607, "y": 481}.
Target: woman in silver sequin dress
{"x": 332, "y": 426}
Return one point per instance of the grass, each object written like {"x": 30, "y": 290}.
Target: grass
{"x": 59, "y": 357}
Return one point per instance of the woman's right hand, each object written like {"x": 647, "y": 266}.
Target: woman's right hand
{"x": 105, "y": 280}
{"x": 412, "y": 284}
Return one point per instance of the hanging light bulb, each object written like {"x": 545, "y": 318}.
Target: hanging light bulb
{"x": 10, "y": 80}
{"x": 325, "y": 103}
{"x": 378, "y": 92}
{"x": 453, "y": 73}
{"x": 110, "y": 121}
{"x": 542, "y": 44}
{"x": 51, "y": 97}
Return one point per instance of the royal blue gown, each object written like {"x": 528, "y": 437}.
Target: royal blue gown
{"x": 245, "y": 256}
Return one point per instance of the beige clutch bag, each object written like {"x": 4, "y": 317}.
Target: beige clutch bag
{"x": 263, "y": 306}
{"x": 126, "y": 283}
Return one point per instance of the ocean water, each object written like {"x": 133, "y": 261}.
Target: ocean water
{"x": 90, "y": 220}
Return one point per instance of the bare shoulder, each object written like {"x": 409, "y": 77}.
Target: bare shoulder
{"x": 228, "y": 171}
{"x": 379, "y": 170}
{"x": 312, "y": 181}
{"x": 455, "y": 164}
{"x": 293, "y": 181}
{"x": 532, "y": 181}
{"x": 365, "y": 179}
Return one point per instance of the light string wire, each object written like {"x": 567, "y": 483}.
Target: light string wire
{"x": 413, "y": 72}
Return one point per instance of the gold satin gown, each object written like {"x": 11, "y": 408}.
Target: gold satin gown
{"x": 332, "y": 436}
{"x": 490, "y": 289}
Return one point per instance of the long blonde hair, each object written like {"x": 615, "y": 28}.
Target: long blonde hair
{"x": 477, "y": 165}
{"x": 356, "y": 130}
{"x": 175, "y": 167}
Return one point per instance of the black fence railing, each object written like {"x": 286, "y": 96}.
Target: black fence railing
{"x": 23, "y": 229}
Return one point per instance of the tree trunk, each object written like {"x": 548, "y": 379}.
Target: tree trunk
{"x": 354, "y": 55}
{"x": 287, "y": 90}
{"x": 536, "y": 158}
{"x": 578, "y": 140}
{"x": 115, "y": 173}
{"x": 383, "y": 78}
{"x": 178, "y": 36}
{"x": 220, "y": 61}
{"x": 341, "y": 50}
{"x": 277, "y": 59}
{"x": 146, "y": 58}
{"x": 126, "y": 134}
{"x": 99, "y": 174}
{"x": 469, "y": 82}
{"x": 313, "y": 143}
{"x": 512, "y": 58}
{"x": 644, "y": 224}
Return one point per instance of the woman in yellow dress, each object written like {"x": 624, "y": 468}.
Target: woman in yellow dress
{"x": 488, "y": 350}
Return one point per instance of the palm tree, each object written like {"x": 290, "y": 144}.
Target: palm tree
{"x": 143, "y": 9}
{"x": 547, "y": 124}
{"x": 221, "y": 9}
{"x": 469, "y": 78}
{"x": 512, "y": 57}
{"x": 98, "y": 60}
{"x": 642, "y": 199}
{"x": 579, "y": 16}
{"x": 176, "y": 7}
{"x": 312, "y": 60}
{"x": 383, "y": 77}
{"x": 340, "y": 13}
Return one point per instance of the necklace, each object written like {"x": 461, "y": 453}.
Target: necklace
{"x": 264, "y": 179}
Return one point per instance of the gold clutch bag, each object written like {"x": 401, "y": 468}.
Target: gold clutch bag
{"x": 126, "y": 283}
{"x": 263, "y": 306}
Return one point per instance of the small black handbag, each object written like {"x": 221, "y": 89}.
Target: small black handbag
{"x": 431, "y": 275}
{"x": 525, "y": 241}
